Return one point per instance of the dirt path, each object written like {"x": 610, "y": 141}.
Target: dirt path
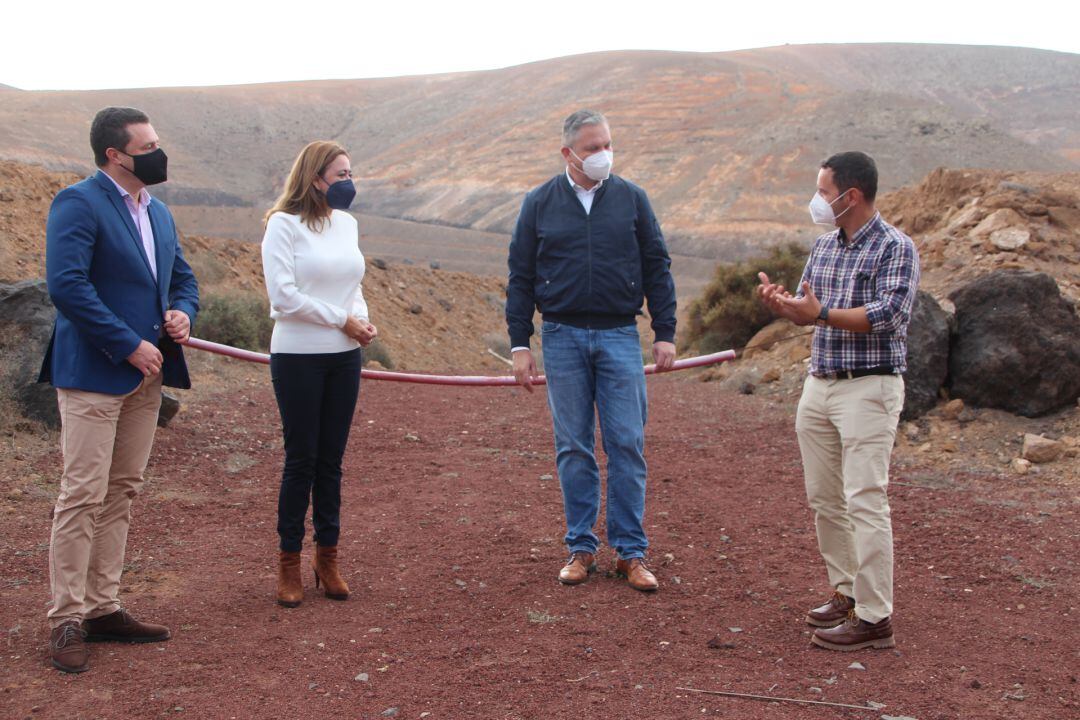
{"x": 451, "y": 542}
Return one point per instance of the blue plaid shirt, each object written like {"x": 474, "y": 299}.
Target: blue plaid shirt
{"x": 879, "y": 270}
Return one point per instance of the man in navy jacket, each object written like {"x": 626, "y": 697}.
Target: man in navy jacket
{"x": 124, "y": 297}
{"x": 586, "y": 252}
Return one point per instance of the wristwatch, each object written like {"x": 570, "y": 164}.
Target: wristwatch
{"x": 823, "y": 317}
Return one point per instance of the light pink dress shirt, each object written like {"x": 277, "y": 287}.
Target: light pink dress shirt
{"x": 140, "y": 215}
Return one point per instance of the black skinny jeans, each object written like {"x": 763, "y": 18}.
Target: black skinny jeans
{"x": 316, "y": 395}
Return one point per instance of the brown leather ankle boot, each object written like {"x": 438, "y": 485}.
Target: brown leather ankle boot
{"x": 290, "y": 591}
{"x": 326, "y": 570}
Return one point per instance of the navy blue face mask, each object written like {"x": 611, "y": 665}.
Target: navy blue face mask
{"x": 339, "y": 195}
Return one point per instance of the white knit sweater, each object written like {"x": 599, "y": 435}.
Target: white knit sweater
{"x": 314, "y": 282}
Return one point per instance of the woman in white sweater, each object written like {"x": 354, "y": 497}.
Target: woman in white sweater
{"x": 313, "y": 269}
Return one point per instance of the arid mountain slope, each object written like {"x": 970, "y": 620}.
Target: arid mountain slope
{"x": 727, "y": 144}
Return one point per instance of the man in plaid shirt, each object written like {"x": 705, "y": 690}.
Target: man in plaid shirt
{"x": 858, "y": 288}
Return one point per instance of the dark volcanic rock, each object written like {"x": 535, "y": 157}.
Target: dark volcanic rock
{"x": 927, "y": 355}
{"x": 1016, "y": 345}
{"x": 26, "y": 320}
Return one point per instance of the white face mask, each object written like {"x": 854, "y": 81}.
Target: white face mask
{"x": 598, "y": 165}
{"x": 821, "y": 209}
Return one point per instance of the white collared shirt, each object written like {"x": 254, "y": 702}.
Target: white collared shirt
{"x": 584, "y": 195}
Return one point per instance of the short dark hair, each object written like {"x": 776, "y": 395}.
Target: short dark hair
{"x": 854, "y": 170}
{"x": 110, "y": 130}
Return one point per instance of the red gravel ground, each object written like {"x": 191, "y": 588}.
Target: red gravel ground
{"x": 451, "y": 541}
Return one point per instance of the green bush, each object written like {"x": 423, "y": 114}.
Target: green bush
{"x": 728, "y": 313}
{"x": 238, "y": 319}
{"x": 377, "y": 351}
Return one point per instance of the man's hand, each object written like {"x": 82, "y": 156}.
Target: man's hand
{"x": 178, "y": 325}
{"x": 146, "y": 358}
{"x": 524, "y": 368}
{"x": 773, "y": 296}
{"x": 804, "y": 310}
{"x": 663, "y": 355}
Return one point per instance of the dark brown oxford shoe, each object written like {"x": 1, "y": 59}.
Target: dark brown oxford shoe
{"x": 67, "y": 646}
{"x": 578, "y": 568}
{"x": 831, "y": 613}
{"x": 121, "y": 627}
{"x": 855, "y": 634}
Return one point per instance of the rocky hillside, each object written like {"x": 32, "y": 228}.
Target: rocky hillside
{"x": 428, "y": 319}
{"x": 967, "y": 225}
{"x": 726, "y": 143}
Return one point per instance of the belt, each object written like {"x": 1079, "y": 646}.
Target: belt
{"x": 852, "y": 374}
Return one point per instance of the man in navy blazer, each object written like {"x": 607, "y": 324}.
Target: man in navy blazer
{"x": 125, "y": 297}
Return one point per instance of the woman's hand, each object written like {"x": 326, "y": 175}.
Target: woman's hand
{"x": 360, "y": 330}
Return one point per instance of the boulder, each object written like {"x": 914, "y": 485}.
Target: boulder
{"x": 998, "y": 220}
{"x": 927, "y": 355}
{"x": 1038, "y": 449}
{"x": 1016, "y": 345}
{"x": 26, "y": 321}
{"x": 1010, "y": 238}
{"x": 170, "y": 405}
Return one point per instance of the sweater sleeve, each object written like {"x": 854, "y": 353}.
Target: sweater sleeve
{"x": 279, "y": 271}
{"x": 520, "y": 300}
{"x": 360, "y": 308}
{"x": 656, "y": 276}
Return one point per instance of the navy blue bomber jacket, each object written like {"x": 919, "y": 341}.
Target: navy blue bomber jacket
{"x": 589, "y": 270}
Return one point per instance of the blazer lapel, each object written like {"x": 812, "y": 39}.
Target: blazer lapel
{"x": 125, "y": 216}
{"x": 159, "y": 242}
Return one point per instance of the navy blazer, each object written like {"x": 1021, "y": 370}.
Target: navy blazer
{"x": 106, "y": 298}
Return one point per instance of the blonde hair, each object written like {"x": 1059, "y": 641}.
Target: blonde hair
{"x": 300, "y": 196}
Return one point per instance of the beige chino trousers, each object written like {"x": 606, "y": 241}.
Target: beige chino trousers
{"x": 106, "y": 441}
{"x": 846, "y": 431}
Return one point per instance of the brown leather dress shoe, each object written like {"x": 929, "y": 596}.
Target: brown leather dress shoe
{"x": 637, "y": 574}
{"x": 67, "y": 646}
{"x": 578, "y": 568}
{"x": 831, "y": 613}
{"x": 121, "y": 627}
{"x": 855, "y": 634}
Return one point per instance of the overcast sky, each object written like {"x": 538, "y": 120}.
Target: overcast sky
{"x": 62, "y": 44}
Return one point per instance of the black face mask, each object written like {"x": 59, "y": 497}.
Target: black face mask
{"x": 150, "y": 168}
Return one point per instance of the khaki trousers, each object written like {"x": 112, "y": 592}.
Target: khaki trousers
{"x": 106, "y": 441}
{"x": 846, "y": 431}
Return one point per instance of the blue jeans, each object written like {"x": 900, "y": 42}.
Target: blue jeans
{"x": 592, "y": 372}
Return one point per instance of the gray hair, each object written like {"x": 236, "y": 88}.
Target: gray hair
{"x": 573, "y": 124}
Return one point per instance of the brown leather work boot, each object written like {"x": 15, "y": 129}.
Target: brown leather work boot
{"x": 637, "y": 574}
{"x": 67, "y": 646}
{"x": 579, "y": 566}
{"x": 831, "y": 613}
{"x": 855, "y": 634}
{"x": 121, "y": 627}
{"x": 290, "y": 591}
{"x": 326, "y": 570}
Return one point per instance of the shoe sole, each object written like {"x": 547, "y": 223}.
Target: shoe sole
{"x": 823, "y": 623}
{"x": 588, "y": 573}
{"x": 337, "y": 597}
{"x": 639, "y": 589}
{"x": 878, "y": 644}
{"x": 289, "y": 603}
{"x": 127, "y": 639}
{"x": 69, "y": 669}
